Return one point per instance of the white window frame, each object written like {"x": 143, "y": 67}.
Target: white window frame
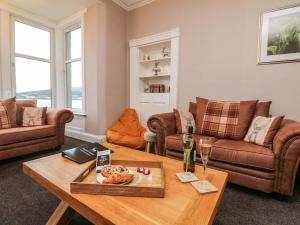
{"x": 14, "y": 54}
{"x": 71, "y": 28}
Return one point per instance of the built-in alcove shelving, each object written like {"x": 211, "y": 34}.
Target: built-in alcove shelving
{"x": 153, "y": 73}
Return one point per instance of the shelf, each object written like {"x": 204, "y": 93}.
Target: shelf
{"x": 158, "y": 98}
{"x": 155, "y": 93}
{"x": 155, "y": 60}
{"x": 155, "y": 76}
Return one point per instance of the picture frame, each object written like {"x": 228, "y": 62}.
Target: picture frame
{"x": 279, "y": 36}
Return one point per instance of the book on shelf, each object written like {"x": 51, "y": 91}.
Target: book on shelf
{"x": 157, "y": 88}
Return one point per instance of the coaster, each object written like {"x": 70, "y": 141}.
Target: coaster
{"x": 204, "y": 186}
{"x": 186, "y": 177}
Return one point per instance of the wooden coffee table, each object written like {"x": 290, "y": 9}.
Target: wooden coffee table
{"x": 182, "y": 204}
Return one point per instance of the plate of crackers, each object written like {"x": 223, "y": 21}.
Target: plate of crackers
{"x": 115, "y": 174}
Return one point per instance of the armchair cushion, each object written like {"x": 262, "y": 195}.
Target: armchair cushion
{"x": 34, "y": 116}
{"x": 20, "y": 104}
{"x": 20, "y": 134}
{"x": 4, "y": 119}
{"x": 11, "y": 110}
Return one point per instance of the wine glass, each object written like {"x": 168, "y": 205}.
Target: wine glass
{"x": 205, "y": 148}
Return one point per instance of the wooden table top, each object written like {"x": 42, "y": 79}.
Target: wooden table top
{"x": 182, "y": 204}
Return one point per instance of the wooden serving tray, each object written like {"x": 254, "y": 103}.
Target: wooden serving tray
{"x": 152, "y": 185}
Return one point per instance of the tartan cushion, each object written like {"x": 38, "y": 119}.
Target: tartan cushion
{"x": 224, "y": 119}
{"x": 4, "y": 119}
{"x": 11, "y": 110}
{"x": 221, "y": 119}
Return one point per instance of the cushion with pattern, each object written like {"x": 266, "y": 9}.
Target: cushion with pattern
{"x": 8, "y": 113}
{"x": 224, "y": 119}
{"x": 182, "y": 119}
{"x": 34, "y": 116}
{"x": 4, "y": 119}
{"x": 263, "y": 130}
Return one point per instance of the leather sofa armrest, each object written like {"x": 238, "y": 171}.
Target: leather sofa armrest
{"x": 162, "y": 125}
{"x": 59, "y": 117}
{"x": 286, "y": 147}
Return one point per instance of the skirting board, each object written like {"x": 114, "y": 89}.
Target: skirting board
{"x": 85, "y": 136}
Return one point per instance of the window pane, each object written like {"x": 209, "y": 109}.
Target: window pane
{"x": 73, "y": 44}
{"x": 32, "y": 41}
{"x": 33, "y": 81}
{"x": 74, "y": 85}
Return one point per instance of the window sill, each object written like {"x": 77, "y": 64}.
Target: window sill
{"x": 76, "y": 113}
{"x": 79, "y": 114}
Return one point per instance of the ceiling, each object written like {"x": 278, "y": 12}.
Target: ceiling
{"x": 132, "y": 4}
{"x": 56, "y": 10}
{"x": 52, "y": 9}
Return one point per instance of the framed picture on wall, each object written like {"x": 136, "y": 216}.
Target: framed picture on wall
{"x": 280, "y": 36}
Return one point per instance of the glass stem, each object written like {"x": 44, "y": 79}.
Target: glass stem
{"x": 204, "y": 169}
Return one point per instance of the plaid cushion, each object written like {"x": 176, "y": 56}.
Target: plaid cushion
{"x": 221, "y": 119}
{"x": 4, "y": 119}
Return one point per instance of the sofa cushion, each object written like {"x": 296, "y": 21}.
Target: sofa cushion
{"x": 193, "y": 108}
{"x": 19, "y": 134}
{"x": 263, "y": 109}
{"x": 4, "y": 119}
{"x": 11, "y": 110}
{"x": 20, "y": 105}
{"x": 33, "y": 116}
{"x": 224, "y": 119}
{"x": 182, "y": 119}
{"x": 174, "y": 142}
{"x": 243, "y": 153}
{"x": 263, "y": 130}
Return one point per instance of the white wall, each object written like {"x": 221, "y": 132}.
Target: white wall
{"x": 6, "y": 87}
{"x": 104, "y": 66}
{"x": 218, "y": 51}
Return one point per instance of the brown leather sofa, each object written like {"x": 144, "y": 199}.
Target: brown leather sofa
{"x": 24, "y": 140}
{"x": 248, "y": 164}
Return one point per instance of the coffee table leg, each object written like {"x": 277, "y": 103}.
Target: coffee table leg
{"x": 62, "y": 215}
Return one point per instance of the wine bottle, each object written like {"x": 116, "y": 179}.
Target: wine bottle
{"x": 189, "y": 156}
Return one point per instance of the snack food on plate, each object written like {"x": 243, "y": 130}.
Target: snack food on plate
{"x": 116, "y": 174}
{"x": 118, "y": 178}
{"x": 111, "y": 170}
